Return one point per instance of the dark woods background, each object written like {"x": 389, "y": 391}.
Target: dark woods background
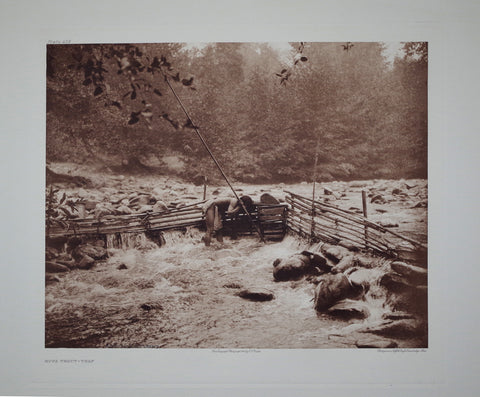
{"x": 365, "y": 117}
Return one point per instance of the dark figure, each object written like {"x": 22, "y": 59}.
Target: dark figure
{"x": 216, "y": 209}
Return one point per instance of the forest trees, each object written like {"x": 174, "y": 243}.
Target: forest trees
{"x": 364, "y": 116}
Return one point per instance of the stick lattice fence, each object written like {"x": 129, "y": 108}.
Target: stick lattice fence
{"x": 325, "y": 222}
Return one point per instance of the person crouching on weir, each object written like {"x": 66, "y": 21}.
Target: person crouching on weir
{"x": 215, "y": 211}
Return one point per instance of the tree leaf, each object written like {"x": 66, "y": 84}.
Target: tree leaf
{"x": 133, "y": 120}
{"x": 98, "y": 91}
{"x": 133, "y": 95}
{"x": 187, "y": 82}
{"x": 87, "y": 82}
{"x": 157, "y": 91}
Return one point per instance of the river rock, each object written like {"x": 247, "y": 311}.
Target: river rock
{"x": 346, "y": 263}
{"x": 400, "y": 329}
{"x": 159, "y": 206}
{"x": 413, "y": 300}
{"x": 317, "y": 260}
{"x": 142, "y": 200}
{"x": 123, "y": 210}
{"x": 51, "y": 253}
{"x": 145, "y": 208}
{"x": 90, "y": 205}
{"x": 327, "y": 191}
{"x": 349, "y": 246}
{"x": 330, "y": 289}
{"x": 49, "y": 279}
{"x": 267, "y": 198}
{"x": 349, "y": 309}
{"x": 53, "y": 267}
{"x": 388, "y": 223}
{"x": 103, "y": 209}
{"x": 360, "y": 278}
{"x": 378, "y": 199}
{"x": 395, "y": 283}
{"x": 86, "y": 262}
{"x": 256, "y": 294}
{"x": 400, "y": 315}
{"x": 71, "y": 263}
{"x": 335, "y": 253}
{"x": 292, "y": 268}
{"x": 93, "y": 251}
{"x": 414, "y": 274}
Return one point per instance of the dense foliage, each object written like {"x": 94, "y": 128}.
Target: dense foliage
{"x": 266, "y": 114}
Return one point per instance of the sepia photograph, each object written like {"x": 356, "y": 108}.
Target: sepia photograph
{"x": 237, "y": 195}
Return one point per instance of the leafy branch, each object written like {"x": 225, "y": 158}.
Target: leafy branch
{"x": 59, "y": 211}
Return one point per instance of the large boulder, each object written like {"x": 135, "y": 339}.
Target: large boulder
{"x": 86, "y": 262}
{"x": 361, "y": 278}
{"x": 345, "y": 263}
{"x": 335, "y": 253}
{"x": 399, "y": 329}
{"x": 93, "y": 251}
{"x": 413, "y": 274}
{"x": 348, "y": 309}
{"x": 267, "y": 198}
{"x": 296, "y": 266}
{"x": 53, "y": 267}
{"x": 331, "y": 289}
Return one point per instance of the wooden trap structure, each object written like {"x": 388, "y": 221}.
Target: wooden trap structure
{"x": 328, "y": 223}
{"x": 313, "y": 220}
{"x": 269, "y": 218}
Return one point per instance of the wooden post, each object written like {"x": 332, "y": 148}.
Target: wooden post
{"x": 364, "y": 204}
{"x": 204, "y": 187}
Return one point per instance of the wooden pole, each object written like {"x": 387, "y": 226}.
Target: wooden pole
{"x": 364, "y": 205}
{"x": 312, "y": 229}
{"x": 205, "y": 187}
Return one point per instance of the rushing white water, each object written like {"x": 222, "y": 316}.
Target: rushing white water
{"x": 184, "y": 294}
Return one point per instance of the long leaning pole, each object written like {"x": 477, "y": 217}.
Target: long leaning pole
{"x": 213, "y": 158}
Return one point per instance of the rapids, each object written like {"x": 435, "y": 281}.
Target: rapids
{"x": 183, "y": 295}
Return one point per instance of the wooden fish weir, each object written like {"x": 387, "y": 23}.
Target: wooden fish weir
{"x": 325, "y": 222}
{"x": 270, "y": 218}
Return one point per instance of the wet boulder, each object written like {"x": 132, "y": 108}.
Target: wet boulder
{"x": 395, "y": 283}
{"x": 49, "y": 279}
{"x": 296, "y": 266}
{"x": 54, "y": 267}
{"x": 93, "y": 251}
{"x": 399, "y": 329}
{"x": 159, "y": 206}
{"x": 414, "y": 300}
{"x": 345, "y": 263}
{"x": 413, "y": 274}
{"x": 123, "y": 210}
{"x": 256, "y": 294}
{"x": 331, "y": 289}
{"x": 335, "y": 253}
{"x": 378, "y": 199}
{"x": 360, "y": 278}
{"x": 267, "y": 198}
{"x": 348, "y": 309}
{"x": 388, "y": 223}
{"x": 86, "y": 262}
